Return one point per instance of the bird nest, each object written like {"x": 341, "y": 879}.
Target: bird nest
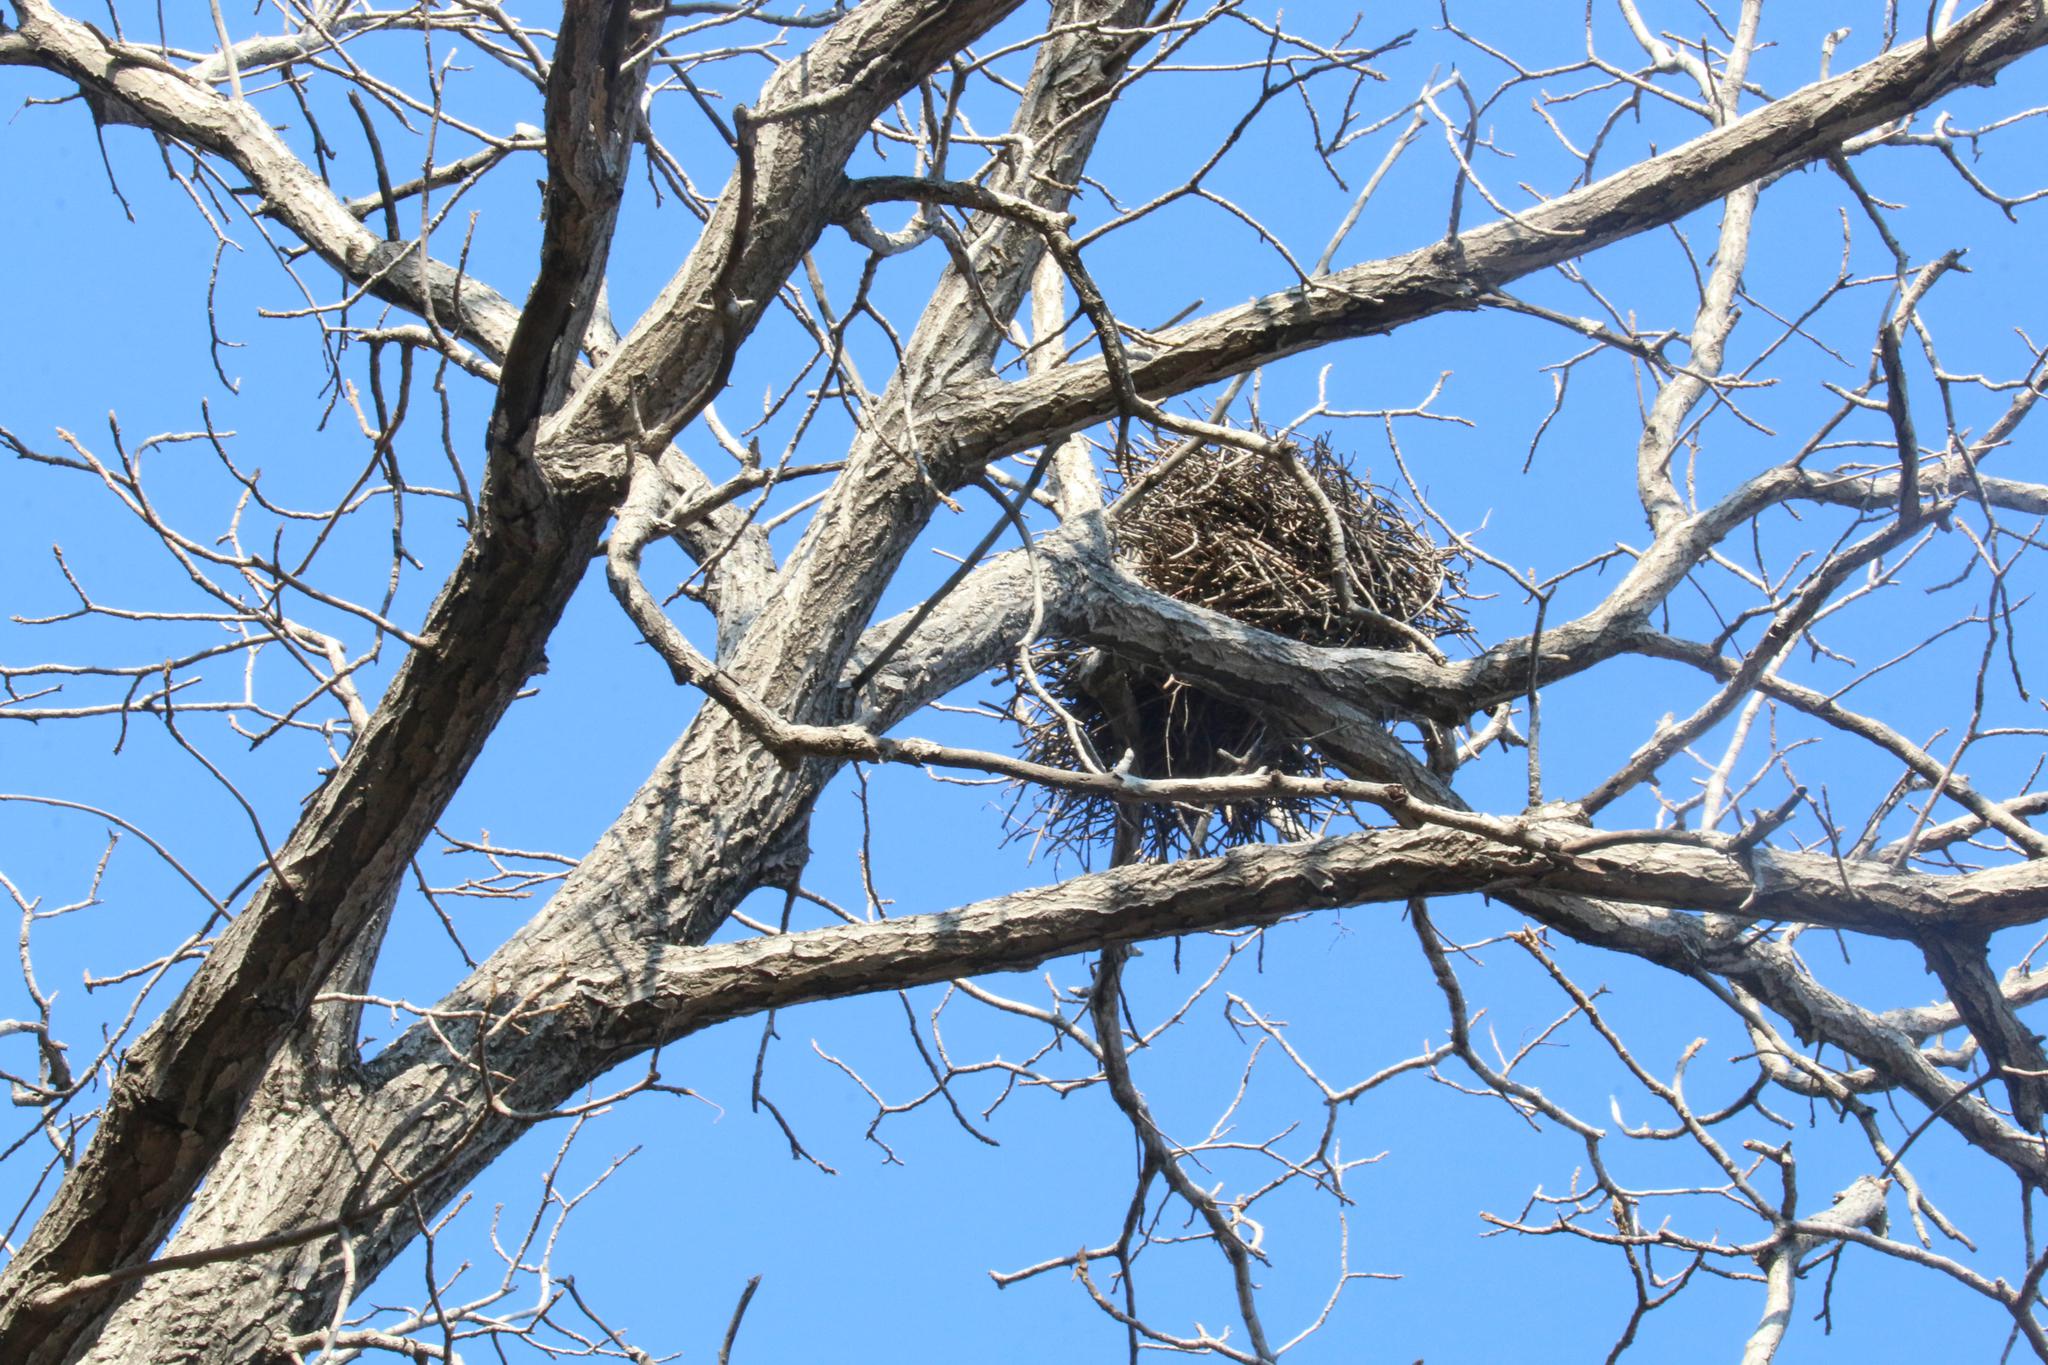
{"x": 1288, "y": 540}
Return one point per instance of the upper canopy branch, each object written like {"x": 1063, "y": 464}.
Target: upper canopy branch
{"x": 184, "y": 105}
{"x": 1379, "y": 296}
{"x": 811, "y": 116}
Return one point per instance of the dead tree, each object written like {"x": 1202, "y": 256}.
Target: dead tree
{"x": 1264, "y": 653}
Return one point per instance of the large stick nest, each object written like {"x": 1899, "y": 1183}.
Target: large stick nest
{"x": 1291, "y": 542}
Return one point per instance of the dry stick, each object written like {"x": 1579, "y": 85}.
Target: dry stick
{"x": 1533, "y": 694}
{"x": 1344, "y": 571}
{"x": 732, "y": 1329}
{"x": 1052, "y": 229}
{"x": 2003, "y": 817}
{"x": 1861, "y": 1205}
{"x": 1778, "y": 637}
{"x": 1102, "y": 1004}
{"x": 959, "y": 575}
{"x": 386, "y": 196}
{"x": 1902, "y": 422}
{"x": 1785, "y": 1066}
{"x": 1136, "y": 493}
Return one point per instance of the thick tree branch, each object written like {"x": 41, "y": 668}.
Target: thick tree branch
{"x": 593, "y": 113}
{"x": 583, "y": 1014}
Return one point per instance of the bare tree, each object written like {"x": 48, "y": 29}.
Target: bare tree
{"x": 1256, "y": 683}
